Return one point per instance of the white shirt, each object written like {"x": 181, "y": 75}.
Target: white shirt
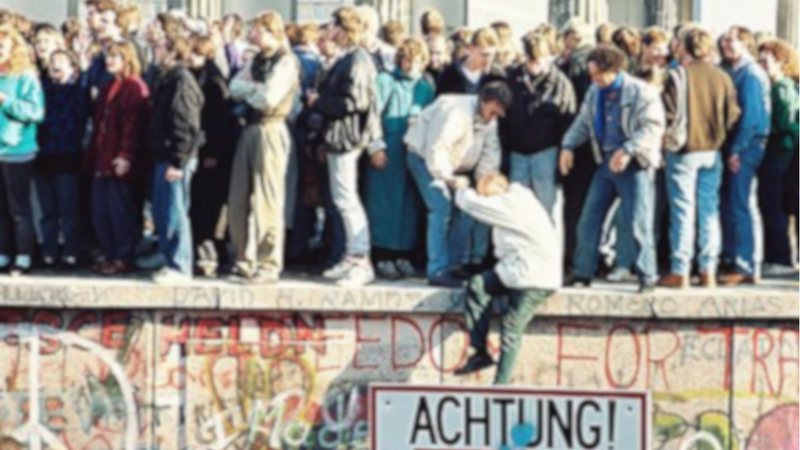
{"x": 525, "y": 240}
{"x": 452, "y": 138}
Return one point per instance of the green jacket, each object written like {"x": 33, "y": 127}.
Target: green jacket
{"x": 783, "y": 140}
{"x": 21, "y": 110}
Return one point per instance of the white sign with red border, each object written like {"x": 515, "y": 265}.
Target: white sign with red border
{"x": 409, "y": 417}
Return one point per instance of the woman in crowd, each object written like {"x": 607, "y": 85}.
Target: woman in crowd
{"x": 174, "y": 135}
{"x": 116, "y": 158}
{"x": 67, "y": 103}
{"x": 21, "y": 108}
{"x": 629, "y": 41}
{"x": 210, "y": 184}
{"x": 390, "y": 196}
{"x": 46, "y": 40}
{"x": 779, "y": 60}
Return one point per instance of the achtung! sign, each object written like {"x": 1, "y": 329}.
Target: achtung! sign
{"x": 407, "y": 417}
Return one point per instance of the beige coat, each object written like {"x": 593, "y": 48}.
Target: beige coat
{"x": 452, "y": 138}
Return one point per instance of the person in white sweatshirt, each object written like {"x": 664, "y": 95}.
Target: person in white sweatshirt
{"x": 528, "y": 269}
{"x": 455, "y": 135}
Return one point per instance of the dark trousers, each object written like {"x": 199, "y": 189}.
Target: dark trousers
{"x": 777, "y": 249}
{"x": 16, "y": 220}
{"x": 208, "y": 214}
{"x": 114, "y": 217}
{"x": 58, "y": 199}
{"x": 522, "y": 303}
{"x": 576, "y": 187}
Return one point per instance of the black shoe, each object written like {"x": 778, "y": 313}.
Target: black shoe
{"x": 240, "y": 275}
{"x": 476, "y": 362}
{"x": 461, "y": 273}
{"x": 446, "y": 279}
{"x": 647, "y": 287}
{"x": 572, "y": 280}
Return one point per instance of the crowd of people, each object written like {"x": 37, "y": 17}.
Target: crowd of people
{"x": 224, "y": 148}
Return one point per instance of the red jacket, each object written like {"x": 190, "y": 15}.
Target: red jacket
{"x": 120, "y": 123}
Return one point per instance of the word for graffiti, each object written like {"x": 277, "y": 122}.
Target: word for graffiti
{"x": 441, "y": 417}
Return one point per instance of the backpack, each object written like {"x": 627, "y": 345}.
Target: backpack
{"x": 677, "y": 133}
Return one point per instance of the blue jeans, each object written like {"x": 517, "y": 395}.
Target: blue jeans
{"x": 741, "y": 219}
{"x": 58, "y": 198}
{"x": 625, "y": 246}
{"x": 468, "y": 240}
{"x": 171, "y": 214}
{"x": 538, "y": 173}
{"x": 693, "y": 181}
{"x": 771, "y": 176}
{"x": 439, "y": 203}
{"x": 115, "y": 218}
{"x": 635, "y": 188}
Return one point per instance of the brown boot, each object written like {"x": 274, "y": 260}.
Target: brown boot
{"x": 708, "y": 280}
{"x": 736, "y": 279}
{"x": 673, "y": 281}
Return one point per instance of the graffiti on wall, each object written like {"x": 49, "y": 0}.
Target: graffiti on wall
{"x": 164, "y": 380}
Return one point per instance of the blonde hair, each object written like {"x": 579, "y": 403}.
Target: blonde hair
{"x": 492, "y": 180}
{"x": 484, "y": 37}
{"x": 21, "y": 60}
{"x": 272, "y": 22}
{"x": 413, "y": 47}
{"x": 351, "y": 22}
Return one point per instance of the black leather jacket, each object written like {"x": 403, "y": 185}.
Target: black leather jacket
{"x": 175, "y": 132}
{"x": 345, "y": 115}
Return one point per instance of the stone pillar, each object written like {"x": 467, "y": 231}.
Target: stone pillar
{"x": 172, "y": 4}
{"x": 786, "y": 28}
{"x": 561, "y": 11}
{"x": 664, "y": 13}
{"x": 592, "y": 11}
{"x": 72, "y": 8}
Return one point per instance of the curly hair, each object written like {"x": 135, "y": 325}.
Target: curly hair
{"x": 21, "y": 58}
{"x": 785, "y": 55}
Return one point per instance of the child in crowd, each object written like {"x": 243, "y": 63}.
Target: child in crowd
{"x": 58, "y": 164}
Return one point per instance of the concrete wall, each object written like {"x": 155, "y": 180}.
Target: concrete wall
{"x": 182, "y": 378}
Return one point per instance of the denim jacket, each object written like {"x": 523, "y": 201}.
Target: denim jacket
{"x": 752, "y": 87}
{"x": 642, "y": 119}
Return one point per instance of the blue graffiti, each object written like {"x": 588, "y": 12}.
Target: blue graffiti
{"x": 521, "y": 435}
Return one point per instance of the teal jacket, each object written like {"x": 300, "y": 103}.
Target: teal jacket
{"x": 22, "y": 109}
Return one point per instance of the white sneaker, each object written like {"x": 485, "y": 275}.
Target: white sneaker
{"x": 777, "y": 270}
{"x": 405, "y": 267}
{"x": 340, "y": 269}
{"x": 170, "y": 276}
{"x": 360, "y": 274}
{"x": 620, "y": 275}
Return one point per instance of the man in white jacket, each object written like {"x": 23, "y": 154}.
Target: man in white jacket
{"x": 528, "y": 269}
{"x": 456, "y": 135}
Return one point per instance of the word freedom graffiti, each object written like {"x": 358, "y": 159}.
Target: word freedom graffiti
{"x": 472, "y": 418}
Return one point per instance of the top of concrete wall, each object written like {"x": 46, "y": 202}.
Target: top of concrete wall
{"x": 770, "y": 300}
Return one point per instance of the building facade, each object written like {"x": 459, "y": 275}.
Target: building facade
{"x": 778, "y": 17}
